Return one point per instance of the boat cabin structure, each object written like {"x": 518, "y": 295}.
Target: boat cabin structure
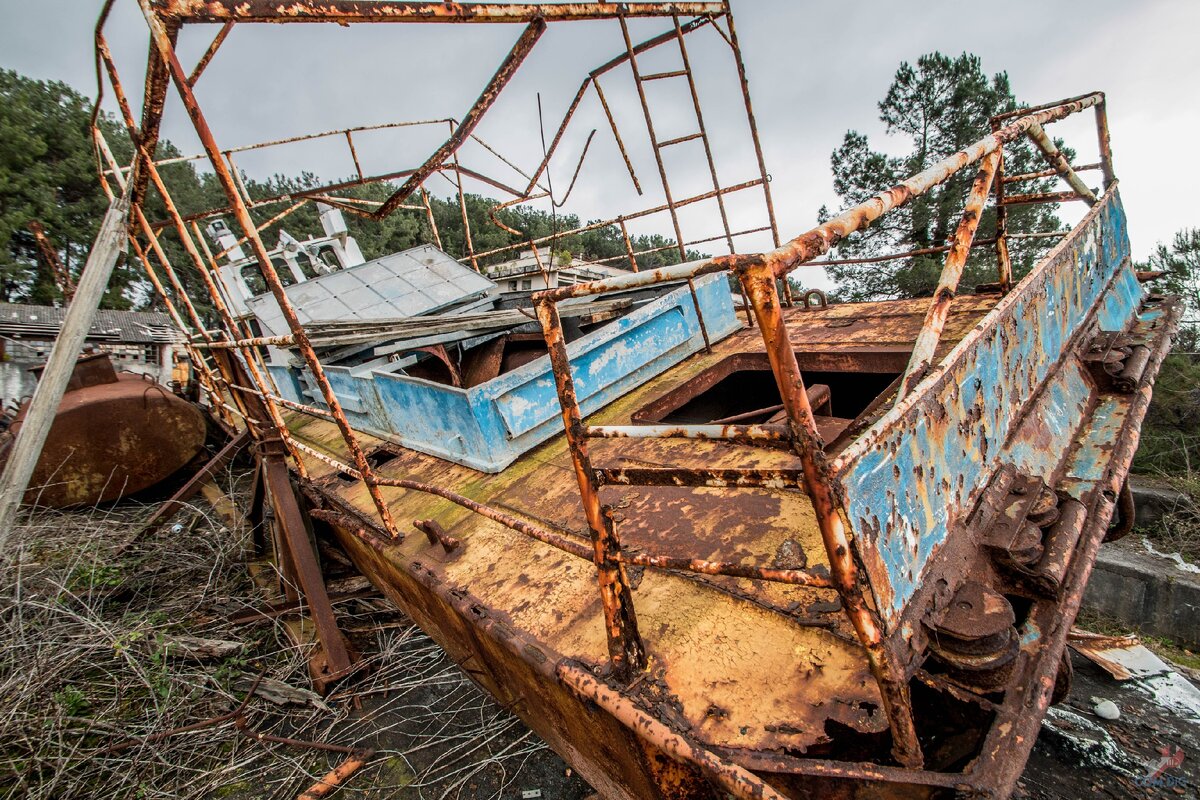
{"x": 704, "y": 536}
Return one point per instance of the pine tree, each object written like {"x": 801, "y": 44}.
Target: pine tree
{"x": 937, "y": 107}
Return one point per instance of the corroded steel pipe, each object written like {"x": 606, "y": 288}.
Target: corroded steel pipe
{"x": 694, "y": 476}
{"x": 1060, "y": 164}
{"x": 734, "y": 779}
{"x": 626, "y": 650}
{"x": 1004, "y": 273}
{"x": 758, "y": 281}
{"x": 794, "y": 577}
{"x": 351, "y": 11}
{"x": 939, "y": 308}
{"x": 217, "y": 41}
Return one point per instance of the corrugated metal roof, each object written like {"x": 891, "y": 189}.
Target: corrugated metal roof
{"x": 138, "y": 327}
{"x": 417, "y": 281}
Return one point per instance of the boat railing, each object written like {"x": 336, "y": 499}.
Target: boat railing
{"x": 759, "y": 276}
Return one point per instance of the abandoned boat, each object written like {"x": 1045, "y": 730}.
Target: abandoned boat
{"x": 703, "y": 541}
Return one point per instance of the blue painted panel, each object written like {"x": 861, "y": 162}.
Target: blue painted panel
{"x": 917, "y": 472}
{"x": 489, "y": 426}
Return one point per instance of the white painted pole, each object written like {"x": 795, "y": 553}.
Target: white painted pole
{"x": 31, "y": 436}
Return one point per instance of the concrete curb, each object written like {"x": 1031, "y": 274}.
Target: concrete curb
{"x": 1148, "y": 593}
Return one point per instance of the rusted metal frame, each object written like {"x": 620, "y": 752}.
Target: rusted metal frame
{"x": 612, "y": 122}
{"x": 240, "y": 184}
{"x": 791, "y": 577}
{"x": 1046, "y": 197}
{"x": 50, "y": 258}
{"x": 594, "y": 78}
{"x": 922, "y": 251}
{"x": 628, "y": 244}
{"x": 308, "y": 572}
{"x": 1024, "y": 112}
{"x": 759, "y": 282}
{"x": 746, "y": 434}
{"x": 288, "y": 197}
{"x": 694, "y": 476}
{"x": 258, "y": 370}
{"x": 1047, "y": 173}
{"x": 167, "y": 53}
{"x": 354, "y": 155}
{"x": 494, "y": 210}
{"x": 689, "y": 243}
{"x": 745, "y": 84}
{"x": 1059, "y": 162}
{"x": 708, "y": 154}
{"x": 286, "y": 340}
{"x": 821, "y": 239}
{"x": 202, "y": 476}
{"x": 627, "y": 653}
{"x": 699, "y": 315}
{"x": 283, "y": 401}
{"x": 736, "y": 780}
{"x": 437, "y": 238}
{"x": 654, "y": 143}
{"x": 939, "y": 307}
{"x": 1105, "y": 143}
{"x": 217, "y": 41}
{"x": 466, "y": 220}
{"x": 1004, "y": 272}
{"x": 591, "y": 226}
{"x": 795, "y": 577}
{"x": 460, "y": 132}
{"x": 353, "y": 11}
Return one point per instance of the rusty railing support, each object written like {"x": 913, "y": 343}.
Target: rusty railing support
{"x": 626, "y": 652}
{"x": 759, "y": 284}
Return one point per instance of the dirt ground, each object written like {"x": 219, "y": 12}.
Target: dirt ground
{"x": 101, "y": 694}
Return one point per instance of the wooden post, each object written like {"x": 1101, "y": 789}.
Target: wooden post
{"x": 27, "y": 447}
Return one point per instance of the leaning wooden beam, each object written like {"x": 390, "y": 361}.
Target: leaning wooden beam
{"x": 31, "y": 436}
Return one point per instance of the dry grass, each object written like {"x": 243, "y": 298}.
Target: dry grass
{"x": 89, "y": 700}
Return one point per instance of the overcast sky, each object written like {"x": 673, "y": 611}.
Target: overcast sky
{"x": 815, "y": 69}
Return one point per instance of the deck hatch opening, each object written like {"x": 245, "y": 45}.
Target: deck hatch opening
{"x": 742, "y": 389}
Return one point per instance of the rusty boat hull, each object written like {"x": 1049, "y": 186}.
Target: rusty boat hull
{"x": 766, "y": 680}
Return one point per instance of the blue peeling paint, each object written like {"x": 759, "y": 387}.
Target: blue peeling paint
{"x": 911, "y": 478}
{"x": 488, "y": 426}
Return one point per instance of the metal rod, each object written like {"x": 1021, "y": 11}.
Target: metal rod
{"x": 939, "y": 307}
{"x": 1046, "y": 173}
{"x": 1105, "y": 143}
{"x": 626, "y": 652}
{"x": 708, "y": 154}
{"x": 353, "y": 11}
{"x": 210, "y": 52}
{"x": 758, "y": 281}
{"x": 654, "y": 144}
{"x": 1059, "y": 162}
{"x": 1004, "y": 273}
{"x": 459, "y": 134}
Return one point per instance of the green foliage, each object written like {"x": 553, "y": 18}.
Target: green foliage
{"x": 72, "y": 701}
{"x": 48, "y": 173}
{"x": 937, "y": 107}
{"x": 1181, "y": 262}
{"x": 1170, "y": 438}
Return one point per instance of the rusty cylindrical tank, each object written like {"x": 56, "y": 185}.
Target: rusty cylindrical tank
{"x": 114, "y": 434}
